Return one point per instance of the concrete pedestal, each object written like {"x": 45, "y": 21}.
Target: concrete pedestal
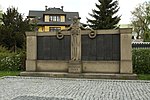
{"x": 75, "y": 67}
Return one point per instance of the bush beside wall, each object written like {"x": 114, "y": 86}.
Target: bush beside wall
{"x": 141, "y": 61}
{"x": 10, "y": 61}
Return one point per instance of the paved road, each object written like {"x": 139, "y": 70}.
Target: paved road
{"x": 29, "y": 88}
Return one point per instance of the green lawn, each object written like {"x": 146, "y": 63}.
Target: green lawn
{"x": 9, "y": 73}
{"x": 144, "y": 76}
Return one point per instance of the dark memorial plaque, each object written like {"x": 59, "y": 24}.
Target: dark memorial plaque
{"x": 84, "y": 45}
{"x": 116, "y": 47}
{"x": 51, "y": 48}
{"x": 107, "y": 47}
{"x": 102, "y": 48}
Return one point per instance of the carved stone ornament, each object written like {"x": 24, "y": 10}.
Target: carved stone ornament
{"x": 92, "y": 34}
{"x": 75, "y": 40}
{"x": 75, "y": 32}
{"x": 59, "y": 35}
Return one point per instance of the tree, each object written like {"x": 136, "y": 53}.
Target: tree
{"x": 141, "y": 20}
{"x": 105, "y": 16}
{"x": 12, "y": 32}
{"x": 1, "y": 15}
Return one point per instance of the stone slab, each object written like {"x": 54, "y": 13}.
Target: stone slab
{"x": 80, "y": 75}
{"x": 75, "y": 67}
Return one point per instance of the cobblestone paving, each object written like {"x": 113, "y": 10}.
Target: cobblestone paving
{"x": 38, "y": 88}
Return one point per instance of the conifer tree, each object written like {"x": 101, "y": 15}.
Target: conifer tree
{"x": 105, "y": 16}
{"x": 0, "y": 15}
{"x": 12, "y": 31}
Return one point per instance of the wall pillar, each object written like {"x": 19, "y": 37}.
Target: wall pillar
{"x": 31, "y": 45}
{"x": 126, "y": 51}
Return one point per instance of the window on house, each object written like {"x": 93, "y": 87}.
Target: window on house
{"x": 54, "y": 29}
{"x": 51, "y": 18}
{"x": 58, "y": 18}
{"x": 54, "y": 18}
{"x": 43, "y": 29}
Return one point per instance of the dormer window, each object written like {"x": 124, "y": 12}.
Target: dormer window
{"x": 54, "y": 18}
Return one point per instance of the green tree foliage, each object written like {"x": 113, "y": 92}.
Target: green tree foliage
{"x": 12, "y": 32}
{"x": 141, "y": 20}
{"x": 105, "y": 16}
{"x": 33, "y": 24}
{"x": 1, "y": 15}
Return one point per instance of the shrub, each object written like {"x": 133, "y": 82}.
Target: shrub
{"x": 10, "y": 61}
{"x": 3, "y": 49}
{"x": 141, "y": 61}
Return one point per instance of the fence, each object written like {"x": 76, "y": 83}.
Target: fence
{"x": 141, "y": 45}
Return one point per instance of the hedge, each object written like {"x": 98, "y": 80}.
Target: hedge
{"x": 11, "y": 61}
{"x": 141, "y": 61}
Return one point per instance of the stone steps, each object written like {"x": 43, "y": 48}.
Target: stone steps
{"x": 81, "y": 75}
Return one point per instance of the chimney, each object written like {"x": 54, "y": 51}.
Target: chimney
{"x": 62, "y": 7}
{"x": 45, "y": 8}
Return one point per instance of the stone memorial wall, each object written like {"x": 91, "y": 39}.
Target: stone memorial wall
{"x": 80, "y": 50}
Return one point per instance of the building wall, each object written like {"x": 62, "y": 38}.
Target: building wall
{"x": 46, "y": 28}
{"x": 41, "y": 29}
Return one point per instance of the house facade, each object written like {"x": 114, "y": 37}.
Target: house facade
{"x": 52, "y": 19}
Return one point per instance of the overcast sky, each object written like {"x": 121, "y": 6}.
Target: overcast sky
{"x": 82, "y": 6}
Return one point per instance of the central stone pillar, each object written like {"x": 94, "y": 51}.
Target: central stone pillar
{"x": 75, "y": 64}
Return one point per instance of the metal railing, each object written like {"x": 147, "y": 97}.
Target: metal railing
{"x": 141, "y": 45}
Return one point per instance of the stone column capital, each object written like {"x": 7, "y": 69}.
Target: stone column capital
{"x": 125, "y": 30}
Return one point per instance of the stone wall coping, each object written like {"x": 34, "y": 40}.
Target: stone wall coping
{"x": 125, "y": 30}
{"x": 31, "y": 33}
{"x": 66, "y": 61}
{"x": 84, "y": 32}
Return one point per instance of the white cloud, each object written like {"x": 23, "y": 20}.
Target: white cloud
{"x": 82, "y": 6}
